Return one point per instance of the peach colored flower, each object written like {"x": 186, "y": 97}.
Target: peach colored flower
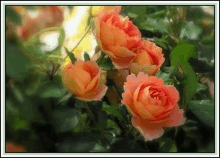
{"x": 152, "y": 104}
{"x": 12, "y": 147}
{"x": 148, "y": 60}
{"x": 41, "y": 18}
{"x": 117, "y": 37}
{"x": 97, "y": 9}
{"x": 83, "y": 79}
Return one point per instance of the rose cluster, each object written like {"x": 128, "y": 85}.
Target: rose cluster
{"x": 152, "y": 104}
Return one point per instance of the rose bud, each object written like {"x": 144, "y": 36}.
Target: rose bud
{"x": 84, "y": 80}
{"x": 152, "y": 104}
{"x": 117, "y": 37}
{"x": 148, "y": 60}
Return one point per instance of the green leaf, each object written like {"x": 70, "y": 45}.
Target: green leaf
{"x": 166, "y": 76}
{"x": 102, "y": 119}
{"x": 106, "y": 63}
{"x": 191, "y": 83}
{"x": 167, "y": 145}
{"x": 124, "y": 112}
{"x": 191, "y": 31}
{"x": 201, "y": 87}
{"x": 52, "y": 89}
{"x": 79, "y": 142}
{"x": 181, "y": 53}
{"x": 132, "y": 15}
{"x": 61, "y": 38}
{"x": 204, "y": 110}
{"x": 112, "y": 126}
{"x": 71, "y": 55}
{"x": 86, "y": 57}
{"x": 112, "y": 110}
{"x": 16, "y": 62}
{"x": 109, "y": 136}
{"x": 13, "y": 16}
{"x": 162, "y": 26}
{"x": 65, "y": 119}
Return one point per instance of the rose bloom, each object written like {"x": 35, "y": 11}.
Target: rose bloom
{"x": 84, "y": 79}
{"x": 152, "y": 104}
{"x": 148, "y": 60}
{"x": 117, "y": 37}
{"x": 12, "y": 147}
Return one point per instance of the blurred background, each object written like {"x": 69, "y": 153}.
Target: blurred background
{"x": 35, "y": 36}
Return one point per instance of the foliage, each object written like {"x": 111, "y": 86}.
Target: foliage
{"x": 43, "y": 116}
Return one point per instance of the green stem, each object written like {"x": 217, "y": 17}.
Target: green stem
{"x": 79, "y": 42}
{"x": 100, "y": 58}
{"x": 90, "y": 112}
{"x": 81, "y": 38}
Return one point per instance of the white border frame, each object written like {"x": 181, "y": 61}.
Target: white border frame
{"x": 204, "y": 3}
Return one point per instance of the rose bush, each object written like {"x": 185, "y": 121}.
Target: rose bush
{"x": 152, "y": 104}
{"x": 83, "y": 79}
{"x": 117, "y": 37}
{"x": 148, "y": 60}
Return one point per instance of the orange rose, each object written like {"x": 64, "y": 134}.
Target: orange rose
{"x": 117, "y": 37}
{"x": 83, "y": 79}
{"x": 12, "y": 147}
{"x": 148, "y": 60}
{"x": 152, "y": 104}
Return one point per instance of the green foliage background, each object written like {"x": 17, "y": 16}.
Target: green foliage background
{"x": 42, "y": 115}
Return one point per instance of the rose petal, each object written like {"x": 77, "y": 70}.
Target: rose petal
{"x": 92, "y": 84}
{"x": 155, "y": 110}
{"x": 120, "y": 51}
{"x": 110, "y": 54}
{"x": 123, "y": 56}
{"x": 148, "y": 131}
{"x": 143, "y": 112}
{"x": 92, "y": 68}
{"x": 173, "y": 93}
{"x": 74, "y": 85}
{"x": 106, "y": 35}
{"x": 119, "y": 36}
{"x": 133, "y": 82}
{"x": 81, "y": 76}
{"x": 127, "y": 101}
{"x": 147, "y": 69}
{"x": 96, "y": 94}
{"x": 97, "y": 27}
{"x": 177, "y": 119}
